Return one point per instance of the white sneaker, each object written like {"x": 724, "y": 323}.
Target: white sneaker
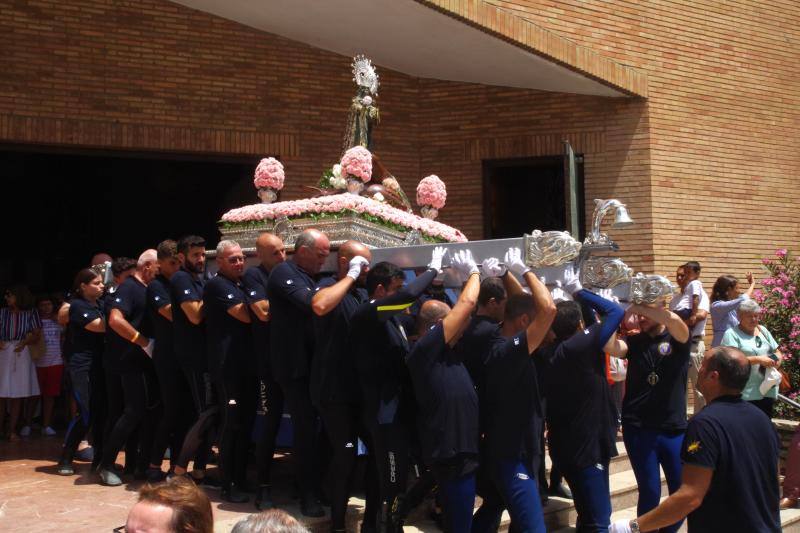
{"x": 48, "y": 432}
{"x": 25, "y": 431}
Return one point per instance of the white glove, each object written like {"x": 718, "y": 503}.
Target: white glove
{"x": 357, "y": 264}
{"x": 620, "y": 526}
{"x": 492, "y": 268}
{"x": 464, "y": 264}
{"x": 571, "y": 282}
{"x": 436, "y": 258}
{"x": 514, "y": 262}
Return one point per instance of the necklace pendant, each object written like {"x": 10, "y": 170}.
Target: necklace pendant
{"x": 652, "y": 379}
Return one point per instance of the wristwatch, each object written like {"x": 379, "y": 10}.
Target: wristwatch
{"x": 634, "y": 525}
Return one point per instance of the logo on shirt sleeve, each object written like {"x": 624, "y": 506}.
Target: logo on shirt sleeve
{"x": 693, "y": 447}
{"x": 252, "y": 293}
{"x": 185, "y": 291}
{"x": 289, "y": 282}
{"x": 156, "y": 298}
{"x": 85, "y": 315}
{"x": 516, "y": 341}
{"x": 118, "y": 300}
{"x": 230, "y": 297}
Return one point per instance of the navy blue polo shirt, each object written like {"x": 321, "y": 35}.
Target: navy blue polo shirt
{"x": 446, "y": 398}
{"x": 189, "y": 339}
{"x": 229, "y": 340}
{"x": 475, "y": 348}
{"x": 662, "y": 406}
{"x": 333, "y": 371}
{"x": 158, "y": 297}
{"x": 512, "y": 405}
{"x": 86, "y": 346}
{"x": 581, "y": 415}
{"x": 290, "y": 290}
{"x": 739, "y": 443}
{"x": 121, "y": 354}
{"x": 255, "y": 281}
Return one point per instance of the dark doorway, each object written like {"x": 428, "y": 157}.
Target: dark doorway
{"x": 521, "y": 195}
{"x": 61, "y": 208}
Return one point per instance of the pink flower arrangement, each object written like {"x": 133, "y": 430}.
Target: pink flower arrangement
{"x": 269, "y": 173}
{"x": 340, "y": 202}
{"x": 431, "y": 191}
{"x": 357, "y": 162}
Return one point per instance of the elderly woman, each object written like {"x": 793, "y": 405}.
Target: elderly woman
{"x": 20, "y": 327}
{"x": 760, "y": 348}
{"x": 725, "y": 301}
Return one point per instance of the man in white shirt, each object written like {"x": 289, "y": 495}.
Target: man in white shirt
{"x": 692, "y": 305}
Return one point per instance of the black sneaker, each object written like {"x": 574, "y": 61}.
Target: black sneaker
{"x": 263, "y": 499}
{"x": 232, "y": 495}
{"x": 65, "y": 469}
{"x": 154, "y": 475}
{"x": 561, "y": 490}
{"x": 310, "y": 507}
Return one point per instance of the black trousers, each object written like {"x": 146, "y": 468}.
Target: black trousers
{"x": 115, "y": 404}
{"x": 390, "y": 437}
{"x": 178, "y": 412}
{"x": 200, "y": 437}
{"x": 98, "y": 408}
{"x": 237, "y": 393}
{"x": 142, "y": 405}
{"x": 304, "y": 448}
{"x": 267, "y": 423}
{"x": 80, "y": 378}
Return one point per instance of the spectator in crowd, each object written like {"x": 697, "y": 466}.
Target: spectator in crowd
{"x": 791, "y": 484}
{"x": 176, "y": 506}
{"x": 20, "y": 327}
{"x": 272, "y": 521}
{"x": 761, "y": 349}
{"x": 725, "y": 301}
{"x": 50, "y": 367}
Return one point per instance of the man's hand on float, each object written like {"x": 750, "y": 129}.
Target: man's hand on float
{"x": 492, "y": 268}
{"x": 464, "y": 264}
{"x": 572, "y": 283}
{"x": 514, "y": 262}
{"x": 356, "y": 266}
{"x": 436, "y": 258}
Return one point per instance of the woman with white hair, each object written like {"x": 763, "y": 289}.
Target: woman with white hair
{"x": 761, "y": 349}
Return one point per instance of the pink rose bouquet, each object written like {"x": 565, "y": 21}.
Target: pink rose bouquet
{"x": 269, "y": 173}
{"x": 357, "y": 162}
{"x": 431, "y": 191}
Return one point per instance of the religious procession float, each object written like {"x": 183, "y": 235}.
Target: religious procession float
{"x": 358, "y": 198}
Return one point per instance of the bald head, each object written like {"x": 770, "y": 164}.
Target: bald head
{"x": 347, "y": 251}
{"x": 311, "y": 249}
{"x": 430, "y": 313}
{"x": 147, "y": 266}
{"x": 100, "y": 258}
{"x": 270, "y": 250}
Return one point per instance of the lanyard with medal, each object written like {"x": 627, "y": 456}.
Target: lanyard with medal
{"x": 664, "y": 349}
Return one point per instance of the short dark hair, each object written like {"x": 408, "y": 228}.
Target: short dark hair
{"x": 382, "y": 274}
{"x": 122, "y": 264}
{"x": 518, "y": 305}
{"x": 491, "y": 288}
{"x": 45, "y": 297}
{"x": 694, "y": 266}
{"x": 568, "y": 319}
{"x": 190, "y": 241}
{"x": 191, "y": 508}
{"x": 167, "y": 249}
{"x": 733, "y": 371}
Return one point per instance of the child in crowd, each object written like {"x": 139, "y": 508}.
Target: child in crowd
{"x": 50, "y": 367}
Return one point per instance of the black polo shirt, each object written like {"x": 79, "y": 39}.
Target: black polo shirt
{"x": 738, "y": 442}
{"x": 333, "y": 371}
{"x": 86, "y": 346}
{"x": 475, "y": 348}
{"x": 661, "y": 406}
{"x": 290, "y": 290}
{"x": 446, "y": 398}
{"x": 229, "y": 339}
{"x": 255, "y": 281}
{"x": 189, "y": 339}
{"x": 131, "y": 299}
{"x": 158, "y": 297}
{"x": 512, "y": 403}
{"x": 580, "y": 411}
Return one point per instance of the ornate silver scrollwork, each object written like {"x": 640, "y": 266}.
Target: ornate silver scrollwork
{"x": 550, "y": 248}
{"x": 649, "y": 288}
{"x": 604, "y": 272}
{"x": 284, "y": 229}
{"x": 364, "y": 74}
{"x": 601, "y": 207}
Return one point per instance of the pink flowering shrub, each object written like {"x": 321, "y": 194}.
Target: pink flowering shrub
{"x": 357, "y": 162}
{"x": 780, "y": 303}
{"x": 342, "y": 204}
{"x": 269, "y": 173}
{"x": 431, "y": 191}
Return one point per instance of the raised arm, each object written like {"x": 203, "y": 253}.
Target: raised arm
{"x": 408, "y": 294}
{"x": 325, "y": 300}
{"x": 458, "y": 317}
{"x": 676, "y": 327}
{"x": 543, "y": 304}
{"x": 611, "y": 314}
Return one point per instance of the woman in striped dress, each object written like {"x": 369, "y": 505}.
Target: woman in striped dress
{"x": 20, "y": 327}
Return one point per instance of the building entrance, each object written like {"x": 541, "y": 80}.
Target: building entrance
{"x": 523, "y": 194}
{"x": 60, "y": 208}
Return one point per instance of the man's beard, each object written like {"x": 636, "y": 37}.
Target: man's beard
{"x": 193, "y": 268}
